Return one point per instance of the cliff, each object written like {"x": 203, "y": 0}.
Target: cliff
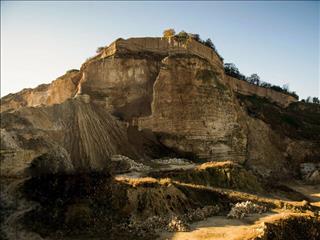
{"x": 142, "y": 133}
{"x": 245, "y": 88}
{"x": 177, "y": 91}
{"x": 56, "y": 92}
{"x": 151, "y": 49}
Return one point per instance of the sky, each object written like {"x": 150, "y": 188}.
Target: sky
{"x": 279, "y": 41}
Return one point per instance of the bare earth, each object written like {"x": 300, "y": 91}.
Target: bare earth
{"x": 220, "y": 227}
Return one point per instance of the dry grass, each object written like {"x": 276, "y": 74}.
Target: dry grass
{"x": 144, "y": 181}
{"x": 215, "y": 164}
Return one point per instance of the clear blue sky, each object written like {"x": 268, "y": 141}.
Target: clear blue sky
{"x": 277, "y": 40}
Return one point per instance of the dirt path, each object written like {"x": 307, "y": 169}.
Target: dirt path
{"x": 311, "y": 191}
{"x": 222, "y": 228}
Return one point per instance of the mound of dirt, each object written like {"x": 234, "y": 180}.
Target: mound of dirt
{"x": 86, "y": 132}
{"x": 217, "y": 174}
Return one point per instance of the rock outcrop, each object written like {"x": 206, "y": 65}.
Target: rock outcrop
{"x": 167, "y": 96}
{"x": 88, "y": 134}
{"x": 194, "y": 111}
{"x": 56, "y": 92}
{"x": 245, "y": 88}
{"x": 113, "y": 151}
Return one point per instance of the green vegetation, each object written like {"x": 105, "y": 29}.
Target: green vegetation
{"x": 309, "y": 99}
{"x": 299, "y": 120}
{"x": 72, "y": 71}
{"x": 99, "y": 49}
{"x": 231, "y": 70}
{"x": 169, "y": 32}
{"x": 209, "y": 76}
{"x": 205, "y": 75}
{"x": 183, "y": 36}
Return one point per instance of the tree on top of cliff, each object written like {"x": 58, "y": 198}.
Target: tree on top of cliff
{"x": 231, "y": 70}
{"x": 209, "y": 44}
{"x": 169, "y": 32}
{"x": 231, "y": 67}
{"x": 311, "y": 100}
{"x": 254, "y": 79}
{"x": 182, "y": 36}
{"x": 195, "y": 36}
{"x": 99, "y": 49}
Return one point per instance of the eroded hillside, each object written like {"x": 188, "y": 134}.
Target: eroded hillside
{"x": 127, "y": 147}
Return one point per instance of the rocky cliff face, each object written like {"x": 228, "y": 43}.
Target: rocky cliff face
{"x": 88, "y": 134}
{"x": 194, "y": 111}
{"x": 175, "y": 90}
{"x": 56, "y": 92}
{"x": 82, "y": 157}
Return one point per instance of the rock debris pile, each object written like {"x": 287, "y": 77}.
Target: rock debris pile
{"x": 242, "y": 209}
{"x": 173, "y": 161}
{"x": 173, "y": 223}
{"x": 124, "y": 164}
{"x": 202, "y": 213}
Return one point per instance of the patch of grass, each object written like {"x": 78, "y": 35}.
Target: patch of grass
{"x": 210, "y": 77}
{"x": 206, "y": 75}
{"x": 298, "y": 120}
{"x": 290, "y": 120}
{"x": 144, "y": 181}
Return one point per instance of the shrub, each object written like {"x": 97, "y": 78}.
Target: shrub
{"x": 231, "y": 70}
{"x": 99, "y": 49}
{"x": 205, "y": 75}
{"x": 182, "y": 34}
{"x": 169, "y": 32}
{"x": 72, "y": 70}
{"x": 195, "y": 37}
{"x": 315, "y": 100}
{"x": 254, "y": 79}
{"x": 209, "y": 44}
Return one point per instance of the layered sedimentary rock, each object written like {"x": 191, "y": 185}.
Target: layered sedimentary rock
{"x": 167, "y": 92}
{"x": 87, "y": 133}
{"x": 56, "y": 92}
{"x": 137, "y": 100}
{"x": 245, "y": 88}
{"x": 194, "y": 111}
{"x": 280, "y": 139}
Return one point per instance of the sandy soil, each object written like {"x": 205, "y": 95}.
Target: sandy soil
{"x": 311, "y": 191}
{"x": 220, "y": 227}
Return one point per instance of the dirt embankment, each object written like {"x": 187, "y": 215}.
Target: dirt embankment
{"x": 216, "y": 174}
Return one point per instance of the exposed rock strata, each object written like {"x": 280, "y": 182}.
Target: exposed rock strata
{"x": 88, "y": 133}
{"x": 56, "y": 92}
{"x": 172, "y": 91}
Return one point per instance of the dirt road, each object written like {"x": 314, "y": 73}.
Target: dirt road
{"x": 222, "y": 228}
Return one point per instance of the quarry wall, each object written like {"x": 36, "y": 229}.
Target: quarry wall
{"x": 167, "y": 46}
{"x": 65, "y": 87}
{"x": 164, "y": 46}
{"x": 248, "y": 89}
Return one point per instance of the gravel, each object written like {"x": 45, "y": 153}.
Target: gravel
{"x": 242, "y": 209}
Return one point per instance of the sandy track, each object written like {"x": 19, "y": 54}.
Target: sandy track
{"x": 222, "y": 228}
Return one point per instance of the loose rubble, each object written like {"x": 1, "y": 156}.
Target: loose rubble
{"x": 173, "y": 161}
{"x": 177, "y": 224}
{"x": 173, "y": 223}
{"x": 201, "y": 213}
{"x": 240, "y": 210}
{"x": 123, "y": 164}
